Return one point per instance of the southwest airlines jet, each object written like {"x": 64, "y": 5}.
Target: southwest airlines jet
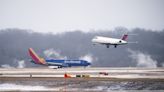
{"x": 55, "y": 63}
{"x": 110, "y": 41}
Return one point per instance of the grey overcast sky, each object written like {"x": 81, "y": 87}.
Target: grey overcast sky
{"x": 68, "y": 15}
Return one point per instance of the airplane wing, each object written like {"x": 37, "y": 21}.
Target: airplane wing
{"x": 55, "y": 64}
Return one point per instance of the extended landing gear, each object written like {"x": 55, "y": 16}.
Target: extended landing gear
{"x": 115, "y": 46}
{"x": 59, "y": 66}
{"x": 107, "y": 46}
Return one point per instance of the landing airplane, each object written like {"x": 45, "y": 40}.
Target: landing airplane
{"x": 110, "y": 41}
{"x": 56, "y": 63}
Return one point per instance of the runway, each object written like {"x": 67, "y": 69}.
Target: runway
{"x": 96, "y": 79}
{"x": 92, "y": 72}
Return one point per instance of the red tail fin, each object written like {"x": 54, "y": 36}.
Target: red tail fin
{"x": 125, "y": 37}
{"x": 35, "y": 57}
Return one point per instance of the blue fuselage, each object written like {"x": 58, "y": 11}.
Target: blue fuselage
{"x": 67, "y": 63}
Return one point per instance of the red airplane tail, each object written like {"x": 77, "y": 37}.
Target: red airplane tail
{"x": 35, "y": 57}
{"x": 125, "y": 36}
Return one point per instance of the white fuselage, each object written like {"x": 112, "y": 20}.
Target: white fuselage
{"x": 108, "y": 41}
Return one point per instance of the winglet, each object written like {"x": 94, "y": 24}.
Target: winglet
{"x": 35, "y": 57}
{"x": 125, "y": 36}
